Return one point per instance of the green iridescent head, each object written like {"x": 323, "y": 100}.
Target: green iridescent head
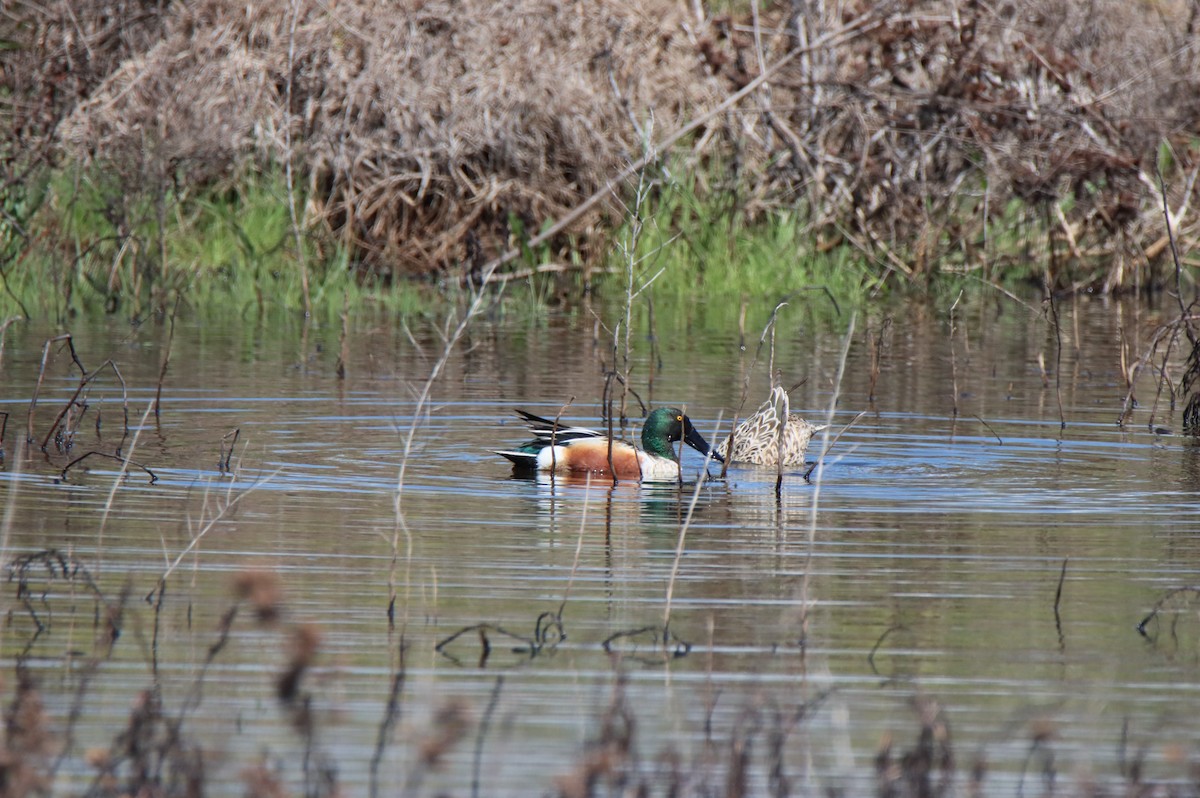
{"x": 666, "y": 425}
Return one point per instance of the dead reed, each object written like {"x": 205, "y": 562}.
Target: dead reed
{"x": 931, "y": 135}
{"x": 4, "y": 325}
{"x": 525, "y": 126}
{"x": 166, "y": 357}
{"x": 228, "y": 445}
{"x": 1166, "y": 339}
{"x": 748, "y": 750}
{"x": 64, "y": 426}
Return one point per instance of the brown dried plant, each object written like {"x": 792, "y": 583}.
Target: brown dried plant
{"x": 931, "y": 134}
{"x": 27, "y": 746}
{"x": 417, "y": 125}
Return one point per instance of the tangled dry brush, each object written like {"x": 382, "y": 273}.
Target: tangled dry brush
{"x": 424, "y": 130}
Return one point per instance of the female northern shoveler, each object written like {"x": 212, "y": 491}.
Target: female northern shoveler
{"x": 757, "y": 439}
{"x": 584, "y": 450}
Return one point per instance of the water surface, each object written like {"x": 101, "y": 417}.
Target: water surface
{"x": 915, "y": 585}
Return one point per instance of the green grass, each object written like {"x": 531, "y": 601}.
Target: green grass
{"x": 231, "y": 251}
{"x": 706, "y": 264}
{"x": 234, "y": 249}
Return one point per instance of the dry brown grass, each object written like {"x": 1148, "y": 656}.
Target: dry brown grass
{"x": 423, "y": 129}
{"x": 924, "y": 127}
{"x": 419, "y": 126}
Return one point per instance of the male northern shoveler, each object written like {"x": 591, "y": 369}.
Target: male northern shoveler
{"x": 583, "y": 450}
{"x": 757, "y": 439}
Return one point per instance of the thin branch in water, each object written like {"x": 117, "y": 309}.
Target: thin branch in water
{"x": 485, "y": 723}
{"x": 527, "y": 646}
{"x": 196, "y": 694}
{"x": 659, "y": 638}
{"x": 554, "y": 438}
{"x": 1062, "y": 576}
{"x": 784, "y": 416}
{"x": 681, "y": 541}
{"x": 1158, "y": 606}
{"x": 166, "y": 360}
{"x": 343, "y": 339}
{"x": 876, "y": 352}
{"x": 1062, "y": 419}
{"x": 84, "y": 381}
{"x": 125, "y": 461}
{"x": 112, "y": 491}
{"x": 37, "y": 388}
{"x": 1126, "y": 373}
{"x": 819, "y": 470}
{"x": 400, "y": 526}
{"x": 228, "y": 443}
{"x": 4, "y": 325}
{"x": 83, "y": 676}
{"x": 608, "y": 380}
{"x": 879, "y": 642}
{"x": 954, "y": 358}
{"x": 1168, "y": 332}
{"x": 999, "y": 440}
{"x": 827, "y": 447}
{"x": 587, "y": 487}
{"x": 391, "y": 716}
{"x": 231, "y": 501}
{"x": 56, "y": 565}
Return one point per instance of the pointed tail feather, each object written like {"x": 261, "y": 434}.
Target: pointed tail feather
{"x": 521, "y": 460}
{"x": 544, "y": 429}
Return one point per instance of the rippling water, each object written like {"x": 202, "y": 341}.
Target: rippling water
{"x": 916, "y": 585}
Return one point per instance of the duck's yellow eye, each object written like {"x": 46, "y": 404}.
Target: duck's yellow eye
{"x": 679, "y": 418}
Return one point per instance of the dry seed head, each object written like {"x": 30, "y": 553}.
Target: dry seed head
{"x": 450, "y": 724}
{"x": 1175, "y": 752}
{"x": 1043, "y": 730}
{"x": 304, "y": 642}
{"x": 262, "y": 589}
{"x": 98, "y": 758}
{"x": 262, "y": 783}
{"x": 306, "y": 639}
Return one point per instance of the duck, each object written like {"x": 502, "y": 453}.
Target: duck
{"x": 757, "y": 439}
{"x": 560, "y": 448}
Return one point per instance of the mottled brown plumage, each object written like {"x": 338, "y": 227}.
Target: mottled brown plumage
{"x": 759, "y": 439}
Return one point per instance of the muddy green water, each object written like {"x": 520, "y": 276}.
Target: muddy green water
{"x": 916, "y": 584}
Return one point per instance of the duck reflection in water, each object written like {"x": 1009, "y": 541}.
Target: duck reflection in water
{"x": 651, "y": 506}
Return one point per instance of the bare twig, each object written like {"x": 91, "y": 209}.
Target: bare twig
{"x": 42, "y": 375}
{"x": 1062, "y": 576}
{"x": 954, "y": 359}
{"x": 663, "y": 146}
{"x": 125, "y": 461}
{"x": 83, "y": 383}
{"x": 827, "y": 445}
{"x": 4, "y": 325}
{"x": 232, "y": 499}
{"x": 681, "y": 540}
{"x": 391, "y": 716}
{"x": 166, "y": 361}
{"x": 484, "y": 724}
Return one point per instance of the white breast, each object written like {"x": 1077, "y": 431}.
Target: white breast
{"x": 658, "y": 469}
